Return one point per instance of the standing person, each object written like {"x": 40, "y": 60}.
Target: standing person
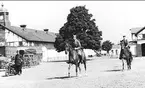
{"x": 116, "y": 52}
{"x": 18, "y": 63}
{"x": 78, "y": 46}
{"x": 112, "y": 53}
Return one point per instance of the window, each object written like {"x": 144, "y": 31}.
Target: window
{"x": 1, "y": 17}
{"x": 20, "y": 43}
{"x": 143, "y": 35}
{"x": 11, "y": 44}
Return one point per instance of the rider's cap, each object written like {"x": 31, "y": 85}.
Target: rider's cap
{"x": 124, "y": 36}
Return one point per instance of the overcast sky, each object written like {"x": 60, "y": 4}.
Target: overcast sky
{"x": 113, "y": 18}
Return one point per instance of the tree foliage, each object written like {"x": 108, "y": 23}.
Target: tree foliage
{"x": 107, "y": 46}
{"x": 79, "y": 23}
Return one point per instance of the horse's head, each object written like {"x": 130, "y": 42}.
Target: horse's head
{"x": 67, "y": 47}
{"x": 122, "y": 44}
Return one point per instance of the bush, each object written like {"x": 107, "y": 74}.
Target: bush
{"x": 3, "y": 64}
{"x": 31, "y": 60}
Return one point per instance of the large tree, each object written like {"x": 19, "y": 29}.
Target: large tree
{"x": 80, "y": 23}
{"x": 107, "y": 46}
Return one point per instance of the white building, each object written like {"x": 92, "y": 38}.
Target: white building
{"x": 138, "y": 41}
{"x": 14, "y": 38}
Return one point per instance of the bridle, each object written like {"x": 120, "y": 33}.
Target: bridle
{"x": 67, "y": 48}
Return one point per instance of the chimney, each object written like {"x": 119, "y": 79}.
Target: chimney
{"x": 46, "y": 30}
{"x": 23, "y": 26}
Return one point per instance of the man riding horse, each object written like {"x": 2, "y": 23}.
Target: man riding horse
{"x": 78, "y": 48}
{"x": 76, "y": 55}
{"x": 125, "y": 43}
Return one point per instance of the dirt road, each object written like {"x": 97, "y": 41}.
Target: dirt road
{"x": 101, "y": 73}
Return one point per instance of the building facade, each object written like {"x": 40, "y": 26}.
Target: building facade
{"x": 13, "y": 38}
{"x": 138, "y": 41}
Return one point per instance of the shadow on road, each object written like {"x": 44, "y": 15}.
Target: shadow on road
{"x": 4, "y": 76}
{"x": 64, "y": 77}
{"x": 67, "y": 60}
{"x": 114, "y": 70}
{"x": 7, "y": 75}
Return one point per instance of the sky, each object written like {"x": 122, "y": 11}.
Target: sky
{"x": 113, "y": 18}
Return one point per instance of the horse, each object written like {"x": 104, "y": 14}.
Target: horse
{"x": 75, "y": 58}
{"x": 126, "y": 56}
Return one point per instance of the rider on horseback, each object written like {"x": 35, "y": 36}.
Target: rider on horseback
{"x": 78, "y": 46}
{"x": 125, "y": 43}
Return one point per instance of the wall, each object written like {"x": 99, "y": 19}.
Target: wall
{"x": 11, "y": 50}
{"x": 53, "y": 55}
{"x": 133, "y": 49}
{"x": 11, "y": 37}
{"x": 2, "y": 36}
{"x": 138, "y": 50}
{"x": 140, "y": 41}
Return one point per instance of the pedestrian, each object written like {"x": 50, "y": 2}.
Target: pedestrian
{"x": 18, "y": 63}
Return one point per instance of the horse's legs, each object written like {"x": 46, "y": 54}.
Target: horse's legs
{"x": 122, "y": 64}
{"x": 85, "y": 67}
{"x": 131, "y": 61}
{"x": 128, "y": 63}
{"x": 69, "y": 70}
{"x": 79, "y": 67}
{"x": 76, "y": 69}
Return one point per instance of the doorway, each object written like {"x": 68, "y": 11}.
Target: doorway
{"x": 143, "y": 49}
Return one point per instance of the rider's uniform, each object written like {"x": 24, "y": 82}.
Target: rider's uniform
{"x": 78, "y": 47}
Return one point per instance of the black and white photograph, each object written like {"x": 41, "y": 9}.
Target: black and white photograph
{"x": 72, "y": 44}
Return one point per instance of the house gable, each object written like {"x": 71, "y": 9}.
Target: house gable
{"x": 31, "y": 34}
{"x": 137, "y": 30}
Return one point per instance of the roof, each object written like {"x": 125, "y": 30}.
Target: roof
{"x": 137, "y": 30}
{"x": 32, "y": 34}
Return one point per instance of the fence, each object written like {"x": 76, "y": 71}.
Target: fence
{"x": 53, "y": 55}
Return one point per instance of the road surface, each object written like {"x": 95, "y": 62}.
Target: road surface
{"x": 101, "y": 73}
